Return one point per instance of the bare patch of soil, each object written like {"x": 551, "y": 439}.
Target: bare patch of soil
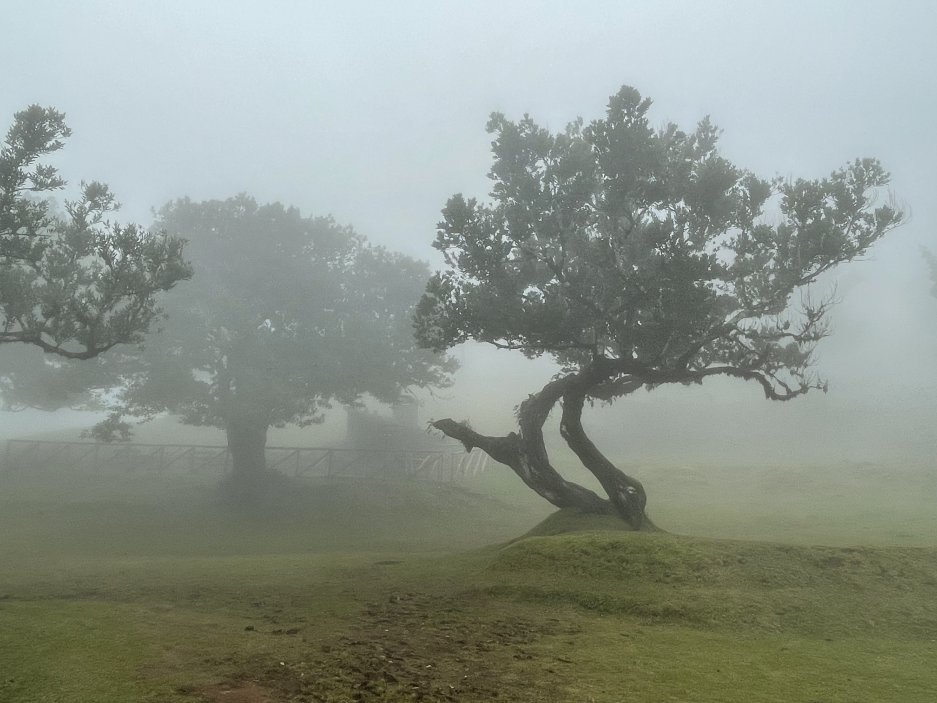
{"x": 416, "y": 647}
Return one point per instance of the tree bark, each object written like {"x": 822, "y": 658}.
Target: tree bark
{"x": 247, "y": 442}
{"x": 627, "y": 495}
{"x": 525, "y": 452}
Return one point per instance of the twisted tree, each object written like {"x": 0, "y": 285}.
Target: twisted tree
{"x": 637, "y": 257}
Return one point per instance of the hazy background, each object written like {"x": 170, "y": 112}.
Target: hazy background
{"x": 375, "y": 113}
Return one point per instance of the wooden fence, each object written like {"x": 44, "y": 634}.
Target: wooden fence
{"x": 445, "y": 464}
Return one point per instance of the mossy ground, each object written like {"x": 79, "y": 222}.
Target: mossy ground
{"x": 121, "y": 587}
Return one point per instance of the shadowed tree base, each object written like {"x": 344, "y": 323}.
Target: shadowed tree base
{"x": 250, "y": 479}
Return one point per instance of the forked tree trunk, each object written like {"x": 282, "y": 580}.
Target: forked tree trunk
{"x": 247, "y": 442}
{"x": 527, "y": 461}
{"x": 525, "y": 451}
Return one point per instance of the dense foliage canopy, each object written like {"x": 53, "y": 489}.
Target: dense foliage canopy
{"x": 616, "y": 240}
{"x": 284, "y": 314}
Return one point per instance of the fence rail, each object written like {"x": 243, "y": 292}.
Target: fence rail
{"x": 445, "y": 464}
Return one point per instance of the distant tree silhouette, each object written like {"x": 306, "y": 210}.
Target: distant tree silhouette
{"x": 284, "y": 314}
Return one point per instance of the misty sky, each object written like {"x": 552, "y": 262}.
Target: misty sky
{"x": 375, "y": 113}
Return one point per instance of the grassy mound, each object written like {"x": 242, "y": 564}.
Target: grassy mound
{"x": 568, "y": 521}
{"x": 813, "y": 591}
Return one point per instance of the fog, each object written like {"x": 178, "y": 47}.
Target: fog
{"x": 375, "y": 113}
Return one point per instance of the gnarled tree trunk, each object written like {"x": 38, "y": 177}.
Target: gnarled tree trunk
{"x": 525, "y": 451}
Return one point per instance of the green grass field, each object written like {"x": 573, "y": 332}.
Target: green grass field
{"x": 814, "y": 584}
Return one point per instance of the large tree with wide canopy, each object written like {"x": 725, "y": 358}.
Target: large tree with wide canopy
{"x": 285, "y": 314}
